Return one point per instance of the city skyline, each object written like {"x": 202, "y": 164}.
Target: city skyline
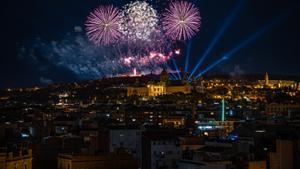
{"x": 275, "y": 51}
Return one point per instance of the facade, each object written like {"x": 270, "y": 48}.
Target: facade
{"x": 284, "y": 155}
{"x": 276, "y": 108}
{"x": 278, "y": 83}
{"x": 165, "y": 153}
{"x": 105, "y": 161}
{"x": 257, "y": 165}
{"x": 22, "y": 160}
{"x": 176, "y": 122}
{"x": 160, "y": 149}
{"x": 95, "y": 139}
{"x": 126, "y": 139}
{"x": 159, "y": 88}
{"x": 211, "y": 155}
{"x": 47, "y": 151}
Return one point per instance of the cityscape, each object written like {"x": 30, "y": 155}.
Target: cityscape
{"x": 150, "y": 84}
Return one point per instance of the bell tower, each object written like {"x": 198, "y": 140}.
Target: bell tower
{"x": 266, "y": 79}
{"x": 164, "y": 76}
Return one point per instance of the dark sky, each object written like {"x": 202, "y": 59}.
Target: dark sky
{"x": 25, "y": 23}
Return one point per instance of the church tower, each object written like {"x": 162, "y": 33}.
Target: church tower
{"x": 266, "y": 79}
{"x": 185, "y": 78}
{"x": 164, "y": 76}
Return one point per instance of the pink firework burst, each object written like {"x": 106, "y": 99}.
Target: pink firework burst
{"x": 103, "y": 25}
{"x": 181, "y": 21}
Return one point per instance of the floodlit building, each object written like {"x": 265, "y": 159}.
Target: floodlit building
{"x": 277, "y": 83}
{"x": 164, "y": 86}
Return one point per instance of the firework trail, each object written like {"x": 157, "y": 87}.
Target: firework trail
{"x": 103, "y": 25}
{"x": 181, "y": 20}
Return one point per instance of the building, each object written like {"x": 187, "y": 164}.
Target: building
{"x": 95, "y": 138}
{"x": 277, "y": 83}
{"x": 277, "y": 108}
{"x": 215, "y": 128}
{"x": 118, "y": 160}
{"x": 212, "y": 155}
{"x": 160, "y": 148}
{"x": 45, "y": 153}
{"x": 128, "y": 139}
{"x": 164, "y": 86}
{"x": 267, "y": 79}
{"x": 175, "y": 121}
{"x": 257, "y": 165}
{"x": 286, "y": 155}
{"x": 19, "y": 160}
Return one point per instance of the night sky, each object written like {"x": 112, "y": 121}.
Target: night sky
{"x": 33, "y": 24}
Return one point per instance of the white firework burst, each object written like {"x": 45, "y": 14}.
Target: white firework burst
{"x": 139, "y": 21}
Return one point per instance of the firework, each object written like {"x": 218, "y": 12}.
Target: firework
{"x": 152, "y": 60}
{"x": 103, "y": 25}
{"x": 181, "y": 21}
{"x": 139, "y": 21}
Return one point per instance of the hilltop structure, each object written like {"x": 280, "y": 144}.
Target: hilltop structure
{"x": 162, "y": 87}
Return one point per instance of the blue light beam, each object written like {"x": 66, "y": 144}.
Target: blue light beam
{"x": 226, "y": 24}
{"x": 173, "y": 77}
{"x": 248, "y": 40}
{"x": 210, "y": 67}
{"x": 176, "y": 67}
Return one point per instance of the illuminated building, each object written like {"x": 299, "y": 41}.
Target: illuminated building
{"x": 276, "y": 108}
{"x": 277, "y": 83}
{"x": 174, "y": 122}
{"x": 215, "y": 128}
{"x": 22, "y": 160}
{"x": 164, "y": 86}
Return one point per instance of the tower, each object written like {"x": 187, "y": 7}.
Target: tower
{"x": 185, "y": 78}
{"x": 201, "y": 84}
{"x": 266, "y": 79}
{"x": 164, "y": 76}
{"x": 223, "y": 110}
